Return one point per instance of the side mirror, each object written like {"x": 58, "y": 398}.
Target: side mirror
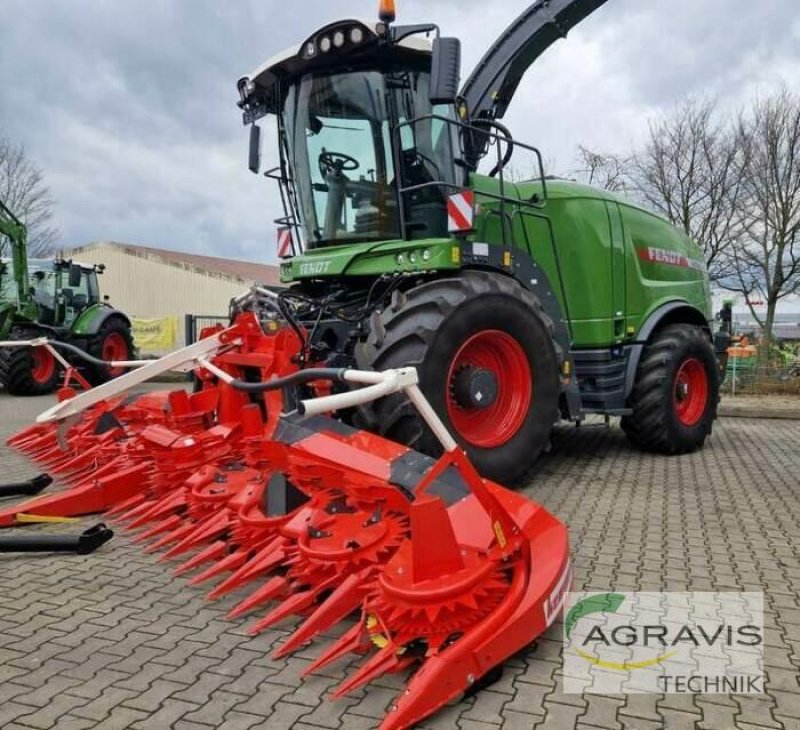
{"x": 254, "y": 158}
{"x": 74, "y": 279}
{"x": 445, "y": 70}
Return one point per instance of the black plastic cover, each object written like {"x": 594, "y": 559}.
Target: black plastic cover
{"x": 445, "y": 70}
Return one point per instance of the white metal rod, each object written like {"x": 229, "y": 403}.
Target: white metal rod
{"x": 338, "y": 401}
{"x": 367, "y": 377}
{"x": 183, "y": 359}
{"x": 214, "y": 370}
{"x": 57, "y": 355}
{"x": 431, "y": 418}
{"x": 243, "y": 297}
{"x": 266, "y": 292}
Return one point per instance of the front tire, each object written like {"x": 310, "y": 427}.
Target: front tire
{"x": 676, "y": 393}
{"x": 487, "y": 362}
{"x": 28, "y": 371}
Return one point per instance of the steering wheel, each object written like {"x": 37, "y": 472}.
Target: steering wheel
{"x": 337, "y": 162}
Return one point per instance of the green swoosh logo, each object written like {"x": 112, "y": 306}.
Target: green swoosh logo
{"x": 600, "y": 603}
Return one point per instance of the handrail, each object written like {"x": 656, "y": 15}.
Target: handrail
{"x": 490, "y": 136}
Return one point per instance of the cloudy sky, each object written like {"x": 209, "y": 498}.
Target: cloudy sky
{"x": 129, "y": 107}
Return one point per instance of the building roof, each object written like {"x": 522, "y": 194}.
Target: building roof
{"x": 246, "y": 271}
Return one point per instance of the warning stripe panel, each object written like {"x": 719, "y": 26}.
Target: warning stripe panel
{"x": 284, "y": 243}
{"x": 460, "y": 211}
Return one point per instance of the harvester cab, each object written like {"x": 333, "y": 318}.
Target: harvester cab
{"x": 348, "y": 103}
{"x": 374, "y": 131}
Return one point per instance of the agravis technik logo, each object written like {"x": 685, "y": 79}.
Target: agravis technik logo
{"x": 664, "y": 642}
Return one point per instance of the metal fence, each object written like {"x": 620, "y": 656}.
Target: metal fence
{"x": 194, "y": 324}
{"x": 752, "y": 376}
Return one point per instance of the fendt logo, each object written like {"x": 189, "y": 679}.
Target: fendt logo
{"x": 653, "y": 255}
{"x": 664, "y": 642}
{"x": 314, "y": 268}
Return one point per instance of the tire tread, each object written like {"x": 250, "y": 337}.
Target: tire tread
{"x": 646, "y": 428}
{"x": 408, "y": 328}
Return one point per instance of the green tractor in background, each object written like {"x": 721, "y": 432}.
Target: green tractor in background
{"x": 520, "y": 303}
{"x": 59, "y": 300}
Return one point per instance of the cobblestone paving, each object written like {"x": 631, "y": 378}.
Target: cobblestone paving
{"x": 113, "y": 641}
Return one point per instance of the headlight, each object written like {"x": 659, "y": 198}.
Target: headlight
{"x": 325, "y": 44}
{"x": 356, "y": 35}
{"x": 338, "y": 39}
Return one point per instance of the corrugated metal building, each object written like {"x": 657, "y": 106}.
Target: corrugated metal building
{"x": 151, "y": 283}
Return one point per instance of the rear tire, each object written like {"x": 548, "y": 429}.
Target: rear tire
{"x": 487, "y": 362}
{"x": 28, "y": 371}
{"x": 113, "y": 341}
{"x": 676, "y": 393}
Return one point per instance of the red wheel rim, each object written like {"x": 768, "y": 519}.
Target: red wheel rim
{"x": 690, "y": 394}
{"x": 43, "y": 365}
{"x": 115, "y": 348}
{"x": 503, "y": 357}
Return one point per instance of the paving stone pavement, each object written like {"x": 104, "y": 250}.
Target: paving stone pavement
{"x": 112, "y": 640}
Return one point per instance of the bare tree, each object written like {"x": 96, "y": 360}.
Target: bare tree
{"x": 690, "y": 172}
{"x": 604, "y": 170}
{"x": 766, "y": 254}
{"x": 23, "y": 190}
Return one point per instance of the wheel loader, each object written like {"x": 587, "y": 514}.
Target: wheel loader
{"x": 407, "y": 239}
{"x": 60, "y": 300}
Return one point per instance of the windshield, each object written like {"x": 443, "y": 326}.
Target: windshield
{"x": 41, "y": 279}
{"x": 338, "y": 132}
{"x": 43, "y": 286}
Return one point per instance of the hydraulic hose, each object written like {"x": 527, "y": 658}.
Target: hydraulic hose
{"x": 299, "y": 378}
{"x": 509, "y": 147}
{"x": 90, "y": 358}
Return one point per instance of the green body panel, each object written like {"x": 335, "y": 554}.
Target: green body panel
{"x": 83, "y": 324}
{"x": 372, "y": 259}
{"x": 10, "y": 314}
{"x": 15, "y": 301}
{"x": 610, "y": 264}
